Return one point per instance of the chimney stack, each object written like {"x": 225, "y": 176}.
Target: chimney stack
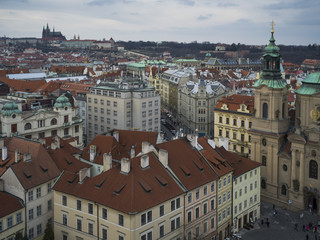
{"x": 57, "y": 140}
{"x": 107, "y": 161}
{"x": 26, "y": 157}
{"x": 145, "y": 147}
{"x": 4, "y": 153}
{"x": 16, "y": 155}
{"x": 132, "y": 152}
{"x": 212, "y": 143}
{"x": 83, "y": 173}
{"x": 125, "y": 165}
{"x": 93, "y": 150}
{"x": 163, "y": 157}
{"x": 144, "y": 161}
{"x": 116, "y": 135}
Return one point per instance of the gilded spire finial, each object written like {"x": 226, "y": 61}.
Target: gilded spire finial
{"x": 272, "y": 26}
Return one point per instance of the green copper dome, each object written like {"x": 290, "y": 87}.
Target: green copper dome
{"x": 62, "y": 102}
{"x": 271, "y": 74}
{"x": 10, "y": 108}
{"x": 310, "y": 85}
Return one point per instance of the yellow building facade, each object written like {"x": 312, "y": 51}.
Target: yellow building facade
{"x": 233, "y": 121}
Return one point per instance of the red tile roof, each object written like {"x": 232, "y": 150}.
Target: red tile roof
{"x": 9, "y": 204}
{"x": 233, "y": 102}
{"x": 240, "y": 164}
{"x": 39, "y": 170}
{"x": 134, "y": 192}
{"x": 23, "y": 85}
{"x": 216, "y": 160}
{"x": 187, "y": 163}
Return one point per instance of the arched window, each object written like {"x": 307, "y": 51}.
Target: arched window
{"x": 27, "y": 126}
{"x": 263, "y": 183}
{"x": 313, "y": 169}
{"x": 284, "y": 190}
{"x": 265, "y": 110}
{"x": 283, "y": 109}
{"x": 53, "y": 121}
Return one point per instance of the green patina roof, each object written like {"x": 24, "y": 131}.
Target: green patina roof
{"x": 187, "y": 60}
{"x": 279, "y": 83}
{"x": 310, "y": 85}
{"x": 62, "y": 102}
{"x": 10, "y": 108}
{"x": 272, "y": 48}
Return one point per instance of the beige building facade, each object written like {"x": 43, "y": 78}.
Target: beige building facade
{"x": 128, "y": 105}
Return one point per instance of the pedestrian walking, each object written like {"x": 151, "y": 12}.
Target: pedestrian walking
{"x": 268, "y": 224}
{"x": 303, "y": 228}
{"x": 296, "y": 226}
{"x": 307, "y": 227}
{"x": 307, "y": 237}
{"x": 261, "y": 222}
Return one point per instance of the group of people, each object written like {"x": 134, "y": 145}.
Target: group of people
{"x": 267, "y": 222}
{"x": 308, "y": 228}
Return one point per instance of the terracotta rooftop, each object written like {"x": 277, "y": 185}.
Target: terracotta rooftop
{"x": 136, "y": 191}
{"x": 23, "y": 85}
{"x": 234, "y": 101}
{"x": 216, "y": 160}
{"x": 36, "y": 171}
{"x": 187, "y": 164}
{"x": 9, "y": 204}
{"x": 240, "y": 164}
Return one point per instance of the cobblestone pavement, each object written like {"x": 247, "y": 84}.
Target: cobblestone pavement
{"x": 282, "y": 225}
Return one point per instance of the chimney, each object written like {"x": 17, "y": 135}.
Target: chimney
{"x": 53, "y": 145}
{"x": 83, "y": 173}
{"x": 4, "y": 153}
{"x": 116, "y": 135}
{"x": 16, "y": 155}
{"x": 132, "y": 152}
{"x": 212, "y": 143}
{"x": 194, "y": 139}
{"x": 42, "y": 141}
{"x": 26, "y": 157}
{"x": 57, "y": 140}
{"x": 145, "y": 147}
{"x": 224, "y": 142}
{"x": 144, "y": 162}
{"x": 93, "y": 150}
{"x": 125, "y": 165}
{"x": 107, "y": 161}
{"x": 163, "y": 157}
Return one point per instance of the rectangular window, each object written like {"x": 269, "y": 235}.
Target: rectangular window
{"x": 49, "y": 205}
{"x": 219, "y": 184}
{"x": 242, "y": 123}
{"x": 120, "y": 219}
{"x": 90, "y": 208}
{"x": 79, "y": 205}
{"x": 227, "y": 121}
{"x": 234, "y": 122}
{"x": 212, "y": 204}
{"x": 90, "y": 228}
{"x": 9, "y": 222}
{"x": 264, "y": 161}
{"x": 189, "y": 216}
{"x": 197, "y": 194}
{"x": 143, "y": 219}
{"x": 1, "y": 226}
{"x": 39, "y": 229}
{"x": 219, "y": 200}
{"x": 104, "y": 213}
{"x": 212, "y": 223}
{"x": 30, "y": 195}
{"x": 31, "y": 233}
{"x": 64, "y": 219}
{"x": 161, "y": 210}
{"x": 197, "y": 212}
{"x": 205, "y": 208}
{"x": 189, "y": 198}
{"x": 161, "y": 231}
{"x": 18, "y": 217}
{"x": 64, "y": 200}
{"x": 38, "y": 192}
{"x": 205, "y": 227}
{"x": 30, "y": 214}
{"x": 149, "y": 216}
{"x": 49, "y": 187}
{"x": 79, "y": 224}
{"x": 173, "y": 205}
{"x": 39, "y": 210}
{"x": 235, "y": 210}
{"x": 175, "y": 223}
{"x": 220, "y": 119}
{"x": 104, "y": 234}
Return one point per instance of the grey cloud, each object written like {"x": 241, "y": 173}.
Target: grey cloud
{"x": 227, "y": 4}
{"x": 187, "y": 2}
{"x": 201, "y": 17}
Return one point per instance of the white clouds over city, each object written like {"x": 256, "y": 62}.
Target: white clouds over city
{"x": 227, "y": 21}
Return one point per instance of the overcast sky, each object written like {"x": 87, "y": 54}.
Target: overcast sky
{"x": 224, "y": 21}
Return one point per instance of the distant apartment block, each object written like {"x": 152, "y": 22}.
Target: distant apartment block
{"x": 128, "y": 105}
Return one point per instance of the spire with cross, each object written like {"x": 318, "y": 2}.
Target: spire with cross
{"x": 272, "y": 26}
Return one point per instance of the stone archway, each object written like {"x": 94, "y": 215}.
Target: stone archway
{"x": 311, "y": 198}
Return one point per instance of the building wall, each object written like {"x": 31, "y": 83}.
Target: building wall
{"x": 131, "y": 229}
{"x": 200, "y": 212}
{"x": 238, "y": 134}
{"x": 138, "y": 110}
{"x": 8, "y": 232}
{"x": 249, "y": 201}
{"x": 224, "y": 205}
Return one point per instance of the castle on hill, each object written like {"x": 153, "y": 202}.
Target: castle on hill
{"x": 47, "y": 34}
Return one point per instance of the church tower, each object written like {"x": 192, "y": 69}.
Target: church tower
{"x": 270, "y": 122}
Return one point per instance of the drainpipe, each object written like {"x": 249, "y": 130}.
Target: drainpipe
{"x": 98, "y": 229}
{"x": 25, "y": 213}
